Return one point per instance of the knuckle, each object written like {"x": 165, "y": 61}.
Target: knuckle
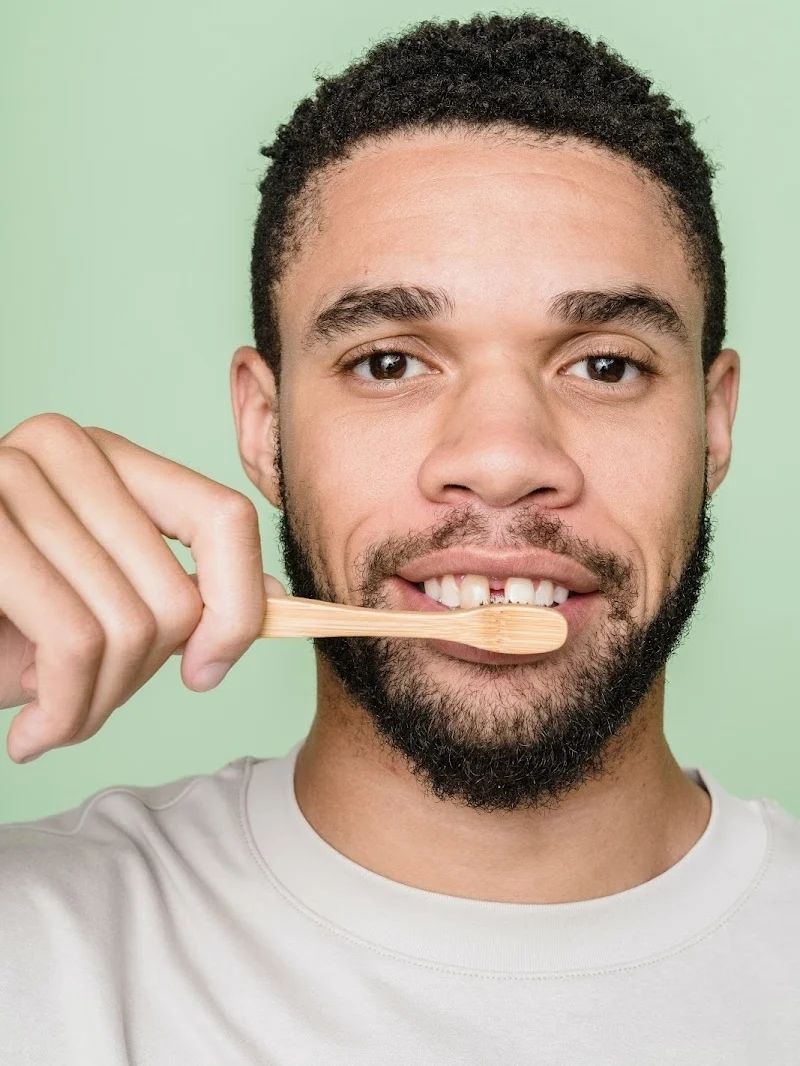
{"x": 16, "y": 467}
{"x": 235, "y": 509}
{"x": 134, "y": 629}
{"x": 85, "y": 641}
{"x": 42, "y": 427}
{"x": 185, "y": 612}
{"x": 178, "y": 612}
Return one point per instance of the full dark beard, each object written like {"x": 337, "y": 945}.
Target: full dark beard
{"x": 495, "y": 743}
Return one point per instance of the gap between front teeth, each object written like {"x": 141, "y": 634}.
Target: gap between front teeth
{"x": 472, "y": 590}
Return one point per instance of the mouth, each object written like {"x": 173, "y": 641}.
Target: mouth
{"x": 459, "y": 591}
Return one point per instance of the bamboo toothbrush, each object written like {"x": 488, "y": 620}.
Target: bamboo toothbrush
{"x": 516, "y": 629}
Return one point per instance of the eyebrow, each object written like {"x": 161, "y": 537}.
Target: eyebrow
{"x": 637, "y": 306}
{"x": 358, "y": 307}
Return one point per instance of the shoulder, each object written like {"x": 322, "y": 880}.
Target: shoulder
{"x": 86, "y": 892}
{"x": 82, "y": 859}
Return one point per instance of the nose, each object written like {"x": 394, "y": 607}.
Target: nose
{"x": 498, "y": 439}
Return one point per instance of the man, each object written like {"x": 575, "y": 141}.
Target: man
{"x": 488, "y": 298}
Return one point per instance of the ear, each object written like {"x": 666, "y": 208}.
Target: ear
{"x": 722, "y": 394}
{"x": 255, "y": 411}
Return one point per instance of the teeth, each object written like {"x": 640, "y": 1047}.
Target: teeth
{"x": 474, "y": 590}
{"x": 520, "y": 590}
{"x": 544, "y": 594}
{"x": 433, "y": 588}
{"x": 449, "y": 594}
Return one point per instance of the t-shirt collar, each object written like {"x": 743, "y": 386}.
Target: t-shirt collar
{"x": 624, "y": 929}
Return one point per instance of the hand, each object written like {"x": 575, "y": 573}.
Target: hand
{"x": 94, "y": 600}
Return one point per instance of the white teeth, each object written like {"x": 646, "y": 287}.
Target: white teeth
{"x": 433, "y": 588}
{"x": 544, "y": 594}
{"x": 474, "y": 590}
{"x": 449, "y": 594}
{"x": 520, "y": 590}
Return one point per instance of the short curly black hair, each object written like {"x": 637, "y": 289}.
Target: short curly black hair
{"x": 523, "y": 71}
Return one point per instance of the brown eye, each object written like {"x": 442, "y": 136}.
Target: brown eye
{"x": 385, "y": 365}
{"x": 607, "y": 369}
{"x": 389, "y": 366}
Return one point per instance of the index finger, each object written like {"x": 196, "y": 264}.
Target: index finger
{"x": 220, "y": 527}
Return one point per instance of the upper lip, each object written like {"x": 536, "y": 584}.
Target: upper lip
{"x": 533, "y": 563}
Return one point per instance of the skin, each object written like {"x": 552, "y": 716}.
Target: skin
{"x": 95, "y": 603}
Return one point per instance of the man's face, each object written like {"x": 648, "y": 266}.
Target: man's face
{"x": 516, "y": 422}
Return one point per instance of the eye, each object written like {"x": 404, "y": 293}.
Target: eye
{"x": 388, "y": 366}
{"x": 609, "y": 369}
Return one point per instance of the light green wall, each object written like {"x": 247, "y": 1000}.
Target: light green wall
{"x": 130, "y": 134}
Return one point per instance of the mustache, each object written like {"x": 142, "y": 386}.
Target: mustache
{"x": 529, "y": 528}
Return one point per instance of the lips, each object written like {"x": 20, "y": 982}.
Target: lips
{"x": 497, "y": 567}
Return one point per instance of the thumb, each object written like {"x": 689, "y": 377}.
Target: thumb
{"x": 273, "y": 587}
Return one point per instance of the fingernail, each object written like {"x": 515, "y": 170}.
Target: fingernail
{"x": 211, "y": 675}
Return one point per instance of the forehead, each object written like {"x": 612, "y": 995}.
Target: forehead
{"x": 501, "y": 222}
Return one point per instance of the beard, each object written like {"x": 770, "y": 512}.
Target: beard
{"x": 503, "y": 737}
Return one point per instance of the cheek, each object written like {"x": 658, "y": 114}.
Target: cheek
{"x": 648, "y": 479}
{"x": 353, "y": 479}
{"x": 669, "y": 469}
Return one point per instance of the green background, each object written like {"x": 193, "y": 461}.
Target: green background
{"x": 130, "y": 134}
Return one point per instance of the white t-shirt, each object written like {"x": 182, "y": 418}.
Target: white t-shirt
{"x": 205, "y": 923}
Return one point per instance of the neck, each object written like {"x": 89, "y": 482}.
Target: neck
{"x": 610, "y": 834}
